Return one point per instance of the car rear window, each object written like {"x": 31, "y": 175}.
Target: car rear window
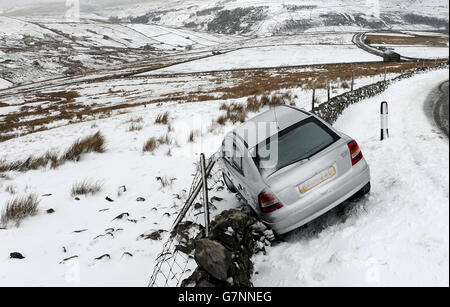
{"x": 297, "y": 142}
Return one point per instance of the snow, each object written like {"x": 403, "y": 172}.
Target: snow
{"x": 399, "y": 234}
{"x": 421, "y": 52}
{"x": 4, "y": 83}
{"x": 41, "y": 238}
{"x": 273, "y": 56}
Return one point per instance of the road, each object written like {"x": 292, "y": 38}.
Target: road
{"x": 437, "y": 107}
{"x": 358, "y": 40}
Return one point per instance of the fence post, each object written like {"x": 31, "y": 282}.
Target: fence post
{"x": 328, "y": 89}
{"x": 384, "y": 131}
{"x": 353, "y": 81}
{"x": 205, "y": 193}
{"x": 385, "y": 75}
{"x": 313, "y": 99}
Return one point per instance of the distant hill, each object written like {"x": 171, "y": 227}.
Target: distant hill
{"x": 261, "y": 17}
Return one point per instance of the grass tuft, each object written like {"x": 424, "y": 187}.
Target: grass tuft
{"x": 85, "y": 187}
{"x": 150, "y": 145}
{"x": 19, "y": 208}
{"x": 162, "y": 118}
{"x": 93, "y": 143}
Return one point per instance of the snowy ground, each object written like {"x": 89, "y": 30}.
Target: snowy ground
{"x": 420, "y": 51}
{"x": 47, "y": 239}
{"x": 399, "y": 234}
{"x": 274, "y": 56}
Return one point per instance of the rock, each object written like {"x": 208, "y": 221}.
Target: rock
{"x": 233, "y": 234}
{"x": 50, "y": 211}
{"x": 67, "y": 259}
{"x": 155, "y": 235}
{"x": 213, "y": 257}
{"x": 109, "y": 199}
{"x": 103, "y": 256}
{"x": 140, "y": 199}
{"x": 77, "y": 198}
{"x": 121, "y": 216}
{"x": 16, "y": 255}
{"x": 79, "y": 231}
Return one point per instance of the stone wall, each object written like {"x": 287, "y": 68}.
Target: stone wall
{"x": 224, "y": 258}
{"x": 331, "y": 110}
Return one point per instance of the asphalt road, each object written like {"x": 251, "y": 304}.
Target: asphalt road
{"x": 437, "y": 107}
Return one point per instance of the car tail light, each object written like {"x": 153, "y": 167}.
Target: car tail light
{"x": 355, "y": 153}
{"x": 268, "y": 202}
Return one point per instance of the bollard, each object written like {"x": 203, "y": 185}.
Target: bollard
{"x": 384, "y": 112}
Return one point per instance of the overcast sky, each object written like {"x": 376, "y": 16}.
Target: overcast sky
{"x": 12, "y": 3}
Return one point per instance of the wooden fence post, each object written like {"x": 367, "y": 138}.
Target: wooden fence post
{"x": 328, "y": 89}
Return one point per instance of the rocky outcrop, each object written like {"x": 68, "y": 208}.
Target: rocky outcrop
{"x": 224, "y": 258}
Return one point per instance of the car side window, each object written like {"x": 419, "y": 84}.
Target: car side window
{"x": 237, "y": 158}
{"x": 227, "y": 149}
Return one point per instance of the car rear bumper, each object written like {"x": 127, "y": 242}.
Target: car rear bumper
{"x": 303, "y": 211}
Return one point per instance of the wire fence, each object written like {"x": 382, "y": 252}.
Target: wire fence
{"x": 176, "y": 261}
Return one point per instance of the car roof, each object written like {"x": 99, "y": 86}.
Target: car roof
{"x": 284, "y": 115}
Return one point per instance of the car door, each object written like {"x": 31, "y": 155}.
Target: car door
{"x": 240, "y": 171}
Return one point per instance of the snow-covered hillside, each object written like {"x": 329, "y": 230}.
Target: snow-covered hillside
{"x": 264, "y": 17}
{"x": 398, "y": 235}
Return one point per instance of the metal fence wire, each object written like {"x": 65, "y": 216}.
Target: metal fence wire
{"x": 176, "y": 261}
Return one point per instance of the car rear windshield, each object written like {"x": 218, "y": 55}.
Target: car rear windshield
{"x": 295, "y": 143}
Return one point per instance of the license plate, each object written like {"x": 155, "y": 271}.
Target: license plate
{"x": 317, "y": 179}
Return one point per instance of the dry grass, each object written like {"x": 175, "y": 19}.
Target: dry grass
{"x": 192, "y": 136}
{"x": 135, "y": 127}
{"x": 165, "y": 181}
{"x": 164, "y": 140}
{"x": 245, "y": 83}
{"x": 162, "y": 118}
{"x": 150, "y": 145}
{"x": 253, "y": 104}
{"x": 19, "y": 208}
{"x": 85, "y": 187}
{"x": 11, "y": 189}
{"x": 137, "y": 120}
{"x": 405, "y": 40}
{"x": 234, "y": 113}
{"x": 92, "y": 143}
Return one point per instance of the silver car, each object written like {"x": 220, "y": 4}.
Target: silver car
{"x": 291, "y": 167}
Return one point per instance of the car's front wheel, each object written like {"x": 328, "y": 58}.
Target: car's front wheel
{"x": 229, "y": 184}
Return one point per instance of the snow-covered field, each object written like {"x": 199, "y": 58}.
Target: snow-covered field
{"x": 47, "y": 239}
{"x": 274, "y": 56}
{"x": 399, "y": 234}
{"x": 420, "y": 51}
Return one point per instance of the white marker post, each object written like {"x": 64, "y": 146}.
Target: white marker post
{"x": 384, "y": 120}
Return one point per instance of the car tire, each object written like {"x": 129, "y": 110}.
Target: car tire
{"x": 358, "y": 195}
{"x": 365, "y": 189}
{"x": 229, "y": 184}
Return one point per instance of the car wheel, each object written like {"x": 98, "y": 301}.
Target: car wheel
{"x": 365, "y": 189}
{"x": 358, "y": 195}
{"x": 229, "y": 184}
